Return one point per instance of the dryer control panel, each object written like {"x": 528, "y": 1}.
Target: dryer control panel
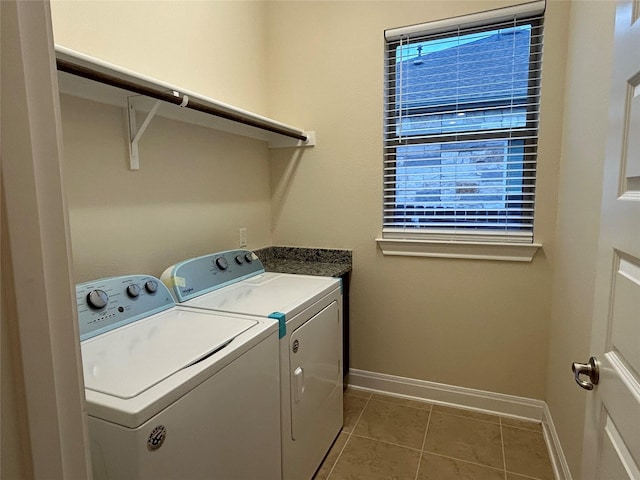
{"x": 109, "y": 303}
{"x": 196, "y": 276}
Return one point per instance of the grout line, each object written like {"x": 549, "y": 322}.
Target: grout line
{"x": 524, "y": 476}
{"x": 361, "y": 413}
{"x": 388, "y": 443}
{"x": 466, "y": 461}
{"x": 494, "y": 422}
{"x": 504, "y": 457}
{"x": 339, "y": 455}
{"x": 522, "y": 428}
{"x": 424, "y": 441}
{"x": 348, "y": 437}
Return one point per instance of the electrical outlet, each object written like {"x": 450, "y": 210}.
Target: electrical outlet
{"x": 243, "y": 237}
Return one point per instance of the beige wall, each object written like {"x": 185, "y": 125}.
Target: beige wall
{"x": 467, "y": 323}
{"x": 216, "y": 48}
{"x": 585, "y": 124}
{"x": 196, "y": 187}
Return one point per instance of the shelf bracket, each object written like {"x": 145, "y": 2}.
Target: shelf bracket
{"x": 135, "y": 133}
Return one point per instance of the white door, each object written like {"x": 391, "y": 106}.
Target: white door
{"x": 612, "y": 423}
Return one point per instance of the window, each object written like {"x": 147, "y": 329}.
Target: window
{"x": 461, "y": 127}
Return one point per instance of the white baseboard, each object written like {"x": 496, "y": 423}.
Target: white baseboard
{"x": 441, "y": 393}
{"x": 471, "y": 399}
{"x": 558, "y": 460}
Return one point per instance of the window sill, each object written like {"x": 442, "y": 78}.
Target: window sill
{"x": 510, "y": 252}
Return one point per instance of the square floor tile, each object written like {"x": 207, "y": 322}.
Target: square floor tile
{"x": 392, "y": 423}
{"x": 352, "y": 408}
{"x": 332, "y": 456}
{"x": 526, "y": 453}
{"x": 366, "y": 459}
{"x": 435, "y": 467}
{"x": 467, "y": 439}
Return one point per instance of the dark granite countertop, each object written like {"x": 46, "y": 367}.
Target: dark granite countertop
{"x": 306, "y": 261}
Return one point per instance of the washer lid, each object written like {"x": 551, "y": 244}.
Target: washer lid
{"x": 127, "y": 361}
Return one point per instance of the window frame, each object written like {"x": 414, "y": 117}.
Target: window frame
{"x": 474, "y": 242}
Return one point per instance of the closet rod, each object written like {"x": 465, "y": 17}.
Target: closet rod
{"x": 169, "y": 97}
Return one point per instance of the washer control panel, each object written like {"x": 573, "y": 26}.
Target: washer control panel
{"x": 109, "y": 303}
{"x": 194, "y": 277}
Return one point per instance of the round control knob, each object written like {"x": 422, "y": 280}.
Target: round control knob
{"x": 222, "y": 263}
{"x": 97, "y": 299}
{"x": 248, "y": 257}
{"x": 151, "y": 286}
{"x": 239, "y": 259}
{"x": 133, "y": 290}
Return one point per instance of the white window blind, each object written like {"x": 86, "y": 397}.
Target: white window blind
{"x": 462, "y": 102}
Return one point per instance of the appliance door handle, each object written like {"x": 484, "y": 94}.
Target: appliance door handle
{"x": 298, "y": 384}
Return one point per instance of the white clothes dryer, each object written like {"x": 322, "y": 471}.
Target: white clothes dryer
{"x": 175, "y": 392}
{"x": 309, "y": 311}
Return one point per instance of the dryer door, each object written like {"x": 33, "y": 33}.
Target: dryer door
{"x": 314, "y": 359}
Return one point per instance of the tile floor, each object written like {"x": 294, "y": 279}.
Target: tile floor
{"x": 393, "y": 438}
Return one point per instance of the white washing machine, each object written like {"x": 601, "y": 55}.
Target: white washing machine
{"x": 175, "y": 392}
{"x": 309, "y": 311}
